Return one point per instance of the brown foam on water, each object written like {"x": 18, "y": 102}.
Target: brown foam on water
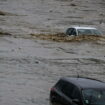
{"x": 60, "y": 37}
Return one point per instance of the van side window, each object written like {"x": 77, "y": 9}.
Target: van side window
{"x": 74, "y": 32}
{"x": 71, "y": 31}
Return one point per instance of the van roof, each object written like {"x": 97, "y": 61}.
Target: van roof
{"x": 79, "y": 27}
{"x": 85, "y": 82}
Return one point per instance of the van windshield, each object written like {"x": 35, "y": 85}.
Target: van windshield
{"x": 88, "y": 32}
{"x": 93, "y": 97}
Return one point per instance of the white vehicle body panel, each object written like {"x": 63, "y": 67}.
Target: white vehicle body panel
{"x": 86, "y": 27}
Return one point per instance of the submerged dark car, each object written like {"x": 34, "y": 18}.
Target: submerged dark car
{"x": 78, "y": 91}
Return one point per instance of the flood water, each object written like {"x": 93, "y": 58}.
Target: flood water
{"x": 35, "y": 16}
{"x": 29, "y": 66}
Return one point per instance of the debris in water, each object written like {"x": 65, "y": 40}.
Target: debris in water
{"x": 4, "y": 33}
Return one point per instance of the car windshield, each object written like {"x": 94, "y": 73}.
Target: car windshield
{"x": 93, "y": 97}
{"x": 88, "y": 32}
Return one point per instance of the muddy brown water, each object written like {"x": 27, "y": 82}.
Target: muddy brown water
{"x": 29, "y": 67}
{"x": 30, "y": 64}
{"x": 61, "y": 37}
{"x": 50, "y": 16}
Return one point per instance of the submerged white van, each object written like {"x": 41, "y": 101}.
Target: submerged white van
{"x": 83, "y": 31}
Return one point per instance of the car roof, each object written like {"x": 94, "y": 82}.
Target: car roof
{"x": 79, "y": 27}
{"x": 85, "y": 82}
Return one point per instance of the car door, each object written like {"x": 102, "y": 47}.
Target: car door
{"x": 57, "y": 93}
{"x": 67, "y": 91}
{"x": 76, "y": 95}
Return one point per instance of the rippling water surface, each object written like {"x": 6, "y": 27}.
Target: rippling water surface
{"x": 30, "y": 66}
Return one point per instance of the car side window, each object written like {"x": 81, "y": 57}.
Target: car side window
{"x": 76, "y": 93}
{"x": 60, "y": 84}
{"x": 68, "y": 89}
